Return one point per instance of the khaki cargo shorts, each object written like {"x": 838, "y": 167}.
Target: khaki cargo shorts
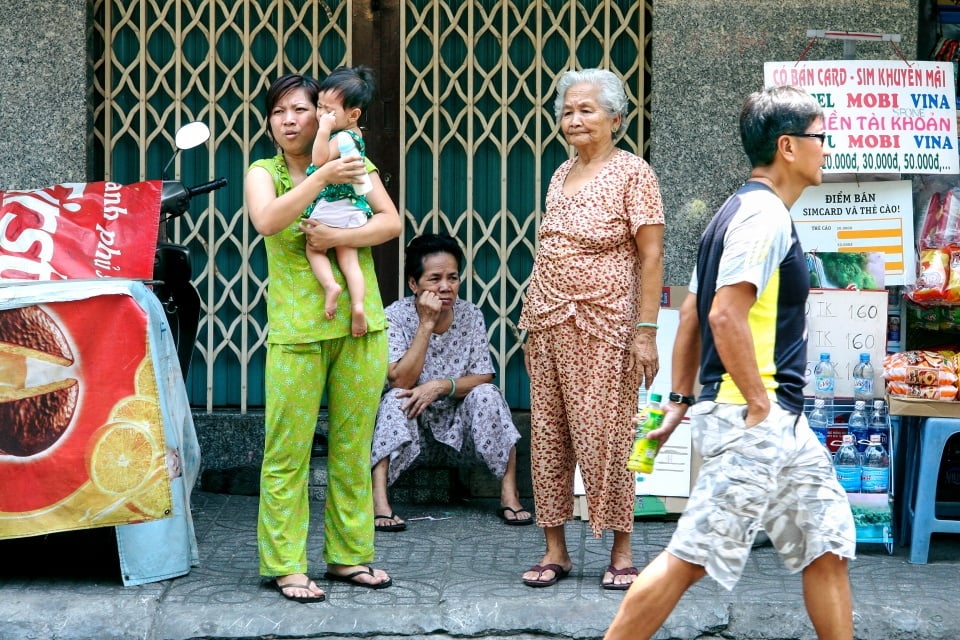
{"x": 775, "y": 476}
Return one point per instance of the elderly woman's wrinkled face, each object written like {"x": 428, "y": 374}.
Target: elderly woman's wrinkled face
{"x": 440, "y": 276}
{"x": 584, "y": 121}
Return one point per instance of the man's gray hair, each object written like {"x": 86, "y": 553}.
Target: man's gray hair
{"x": 612, "y": 97}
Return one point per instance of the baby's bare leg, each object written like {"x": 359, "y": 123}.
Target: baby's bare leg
{"x": 349, "y": 262}
{"x": 320, "y": 264}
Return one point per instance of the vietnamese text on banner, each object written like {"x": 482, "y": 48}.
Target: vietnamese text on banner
{"x": 881, "y": 116}
{"x": 861, "y": 217}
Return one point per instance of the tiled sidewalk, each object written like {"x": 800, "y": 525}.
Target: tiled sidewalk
{"x": 455, "y": 575}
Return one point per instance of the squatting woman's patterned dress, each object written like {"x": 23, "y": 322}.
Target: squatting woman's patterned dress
{"x": 450, "y": 431}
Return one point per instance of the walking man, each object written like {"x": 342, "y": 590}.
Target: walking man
{"x": 743, "y": 325}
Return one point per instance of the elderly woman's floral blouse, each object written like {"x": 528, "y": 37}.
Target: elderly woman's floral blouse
{"x": 587, "y": 264}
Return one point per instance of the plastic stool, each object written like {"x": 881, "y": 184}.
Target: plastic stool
{"x": 934, "y": 433}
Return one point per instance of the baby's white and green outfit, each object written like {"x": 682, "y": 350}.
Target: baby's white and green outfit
{"x": 338, "y": 205}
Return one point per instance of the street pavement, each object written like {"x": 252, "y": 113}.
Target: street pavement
{"x": 456, "y": 574}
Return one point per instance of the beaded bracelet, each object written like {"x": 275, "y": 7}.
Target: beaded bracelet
{"x": 650, "y": 325}
{"x": 453, "y": 387}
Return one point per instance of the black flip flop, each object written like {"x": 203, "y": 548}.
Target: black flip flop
{"x": 400, "y": 526}
{"x": 293, "y": 585}
{"x": 514, "y": 521}
{"x": 349, "y": 579}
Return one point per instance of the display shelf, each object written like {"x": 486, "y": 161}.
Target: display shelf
{"x": 872, "y": 512}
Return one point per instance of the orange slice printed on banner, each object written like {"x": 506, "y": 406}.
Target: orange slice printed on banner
{"x": 154, "y": 500}
{"x": 136, "y": 409}
{"x": 122, "y": 457}
{"x": 146, "y": 379}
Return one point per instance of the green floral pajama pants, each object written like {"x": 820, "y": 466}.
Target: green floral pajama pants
{"x": 352, "y": 371}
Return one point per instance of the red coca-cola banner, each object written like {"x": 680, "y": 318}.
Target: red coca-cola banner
{"x": 79, "y": 230}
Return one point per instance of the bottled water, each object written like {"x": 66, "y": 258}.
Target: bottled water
{"x": 846, "y": 462}
{"x": 863, "y": 380}
{"x": 878, "y": 424}
{"x": 879, "y": 412}
{"x": 875, "y": 473}
{"x": 824, "y": 382}
{"x": 857, "y": 425}
{"x": 819, "y": 421}
{"x": 644, "y": 449}
{"x": 349, "y": 149}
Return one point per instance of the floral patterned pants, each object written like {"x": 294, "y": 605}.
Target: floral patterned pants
{"x": 580, "y": 412}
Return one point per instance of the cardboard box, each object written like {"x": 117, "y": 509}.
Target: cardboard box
{"x": 644, "y": 505}
{"x": 899, "y": 406}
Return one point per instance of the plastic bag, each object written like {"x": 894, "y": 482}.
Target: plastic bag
{"x": 930, "y": 375}
{"x": 947, "y": 392}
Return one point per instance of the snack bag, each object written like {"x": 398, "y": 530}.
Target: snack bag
{"x": 931, "y": 276}
{"x": 915, "y": 316}
{"x": 951, "y": 293}
{"x": 897, "y": 366}
{"x": 947, "y": 233}
{"x": 950, "y": 320}
{"x": 946, "y": 392}
{"x": 930, "y": 225}
{"x": 929, "y": 375}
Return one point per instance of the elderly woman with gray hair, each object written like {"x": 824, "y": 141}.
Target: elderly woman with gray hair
{"x": 595, "y": 290}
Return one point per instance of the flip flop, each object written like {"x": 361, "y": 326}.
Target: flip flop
{"x": 559, "y": 573}
{"x": 293, "y": 585}
{"x": 399, "y": 526}
{"x": 515, "y": 520}
{"x": 350, "y": 579}
{"x": 618, "y": 586}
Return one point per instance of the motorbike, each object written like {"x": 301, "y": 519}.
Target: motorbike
{"x": 91, "y": 230}
{"x": 172, "y": 273}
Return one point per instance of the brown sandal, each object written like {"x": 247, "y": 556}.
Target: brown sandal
{"x": 618, "y": 586}
{"x": 559, "y": 573}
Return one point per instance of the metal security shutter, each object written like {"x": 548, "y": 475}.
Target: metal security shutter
{"x": 481, "y": 141}
{"x": 477, "y": 141}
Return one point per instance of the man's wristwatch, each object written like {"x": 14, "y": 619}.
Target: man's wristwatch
{"x": 681, "y": 399}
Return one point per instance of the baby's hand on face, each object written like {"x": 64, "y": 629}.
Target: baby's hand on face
{"x": 326, "y": 120}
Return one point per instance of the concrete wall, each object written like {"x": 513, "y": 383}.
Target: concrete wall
{"x": 43, "y": 93}
{"x": 708, "y": 56}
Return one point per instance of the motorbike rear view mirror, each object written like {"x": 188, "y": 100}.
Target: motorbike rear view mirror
{"x": 190, "y": 135}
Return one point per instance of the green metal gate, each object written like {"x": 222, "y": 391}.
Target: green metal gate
{"x": 478, "y": 141}
{"x": 481, "y": 141}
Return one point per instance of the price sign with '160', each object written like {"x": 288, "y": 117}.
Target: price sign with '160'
{"x": 846, "y": 324}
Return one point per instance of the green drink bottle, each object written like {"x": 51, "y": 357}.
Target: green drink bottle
{"x": 644, "y": 449}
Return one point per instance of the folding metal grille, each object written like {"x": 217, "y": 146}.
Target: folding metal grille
{"x": 478, "y": 137}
